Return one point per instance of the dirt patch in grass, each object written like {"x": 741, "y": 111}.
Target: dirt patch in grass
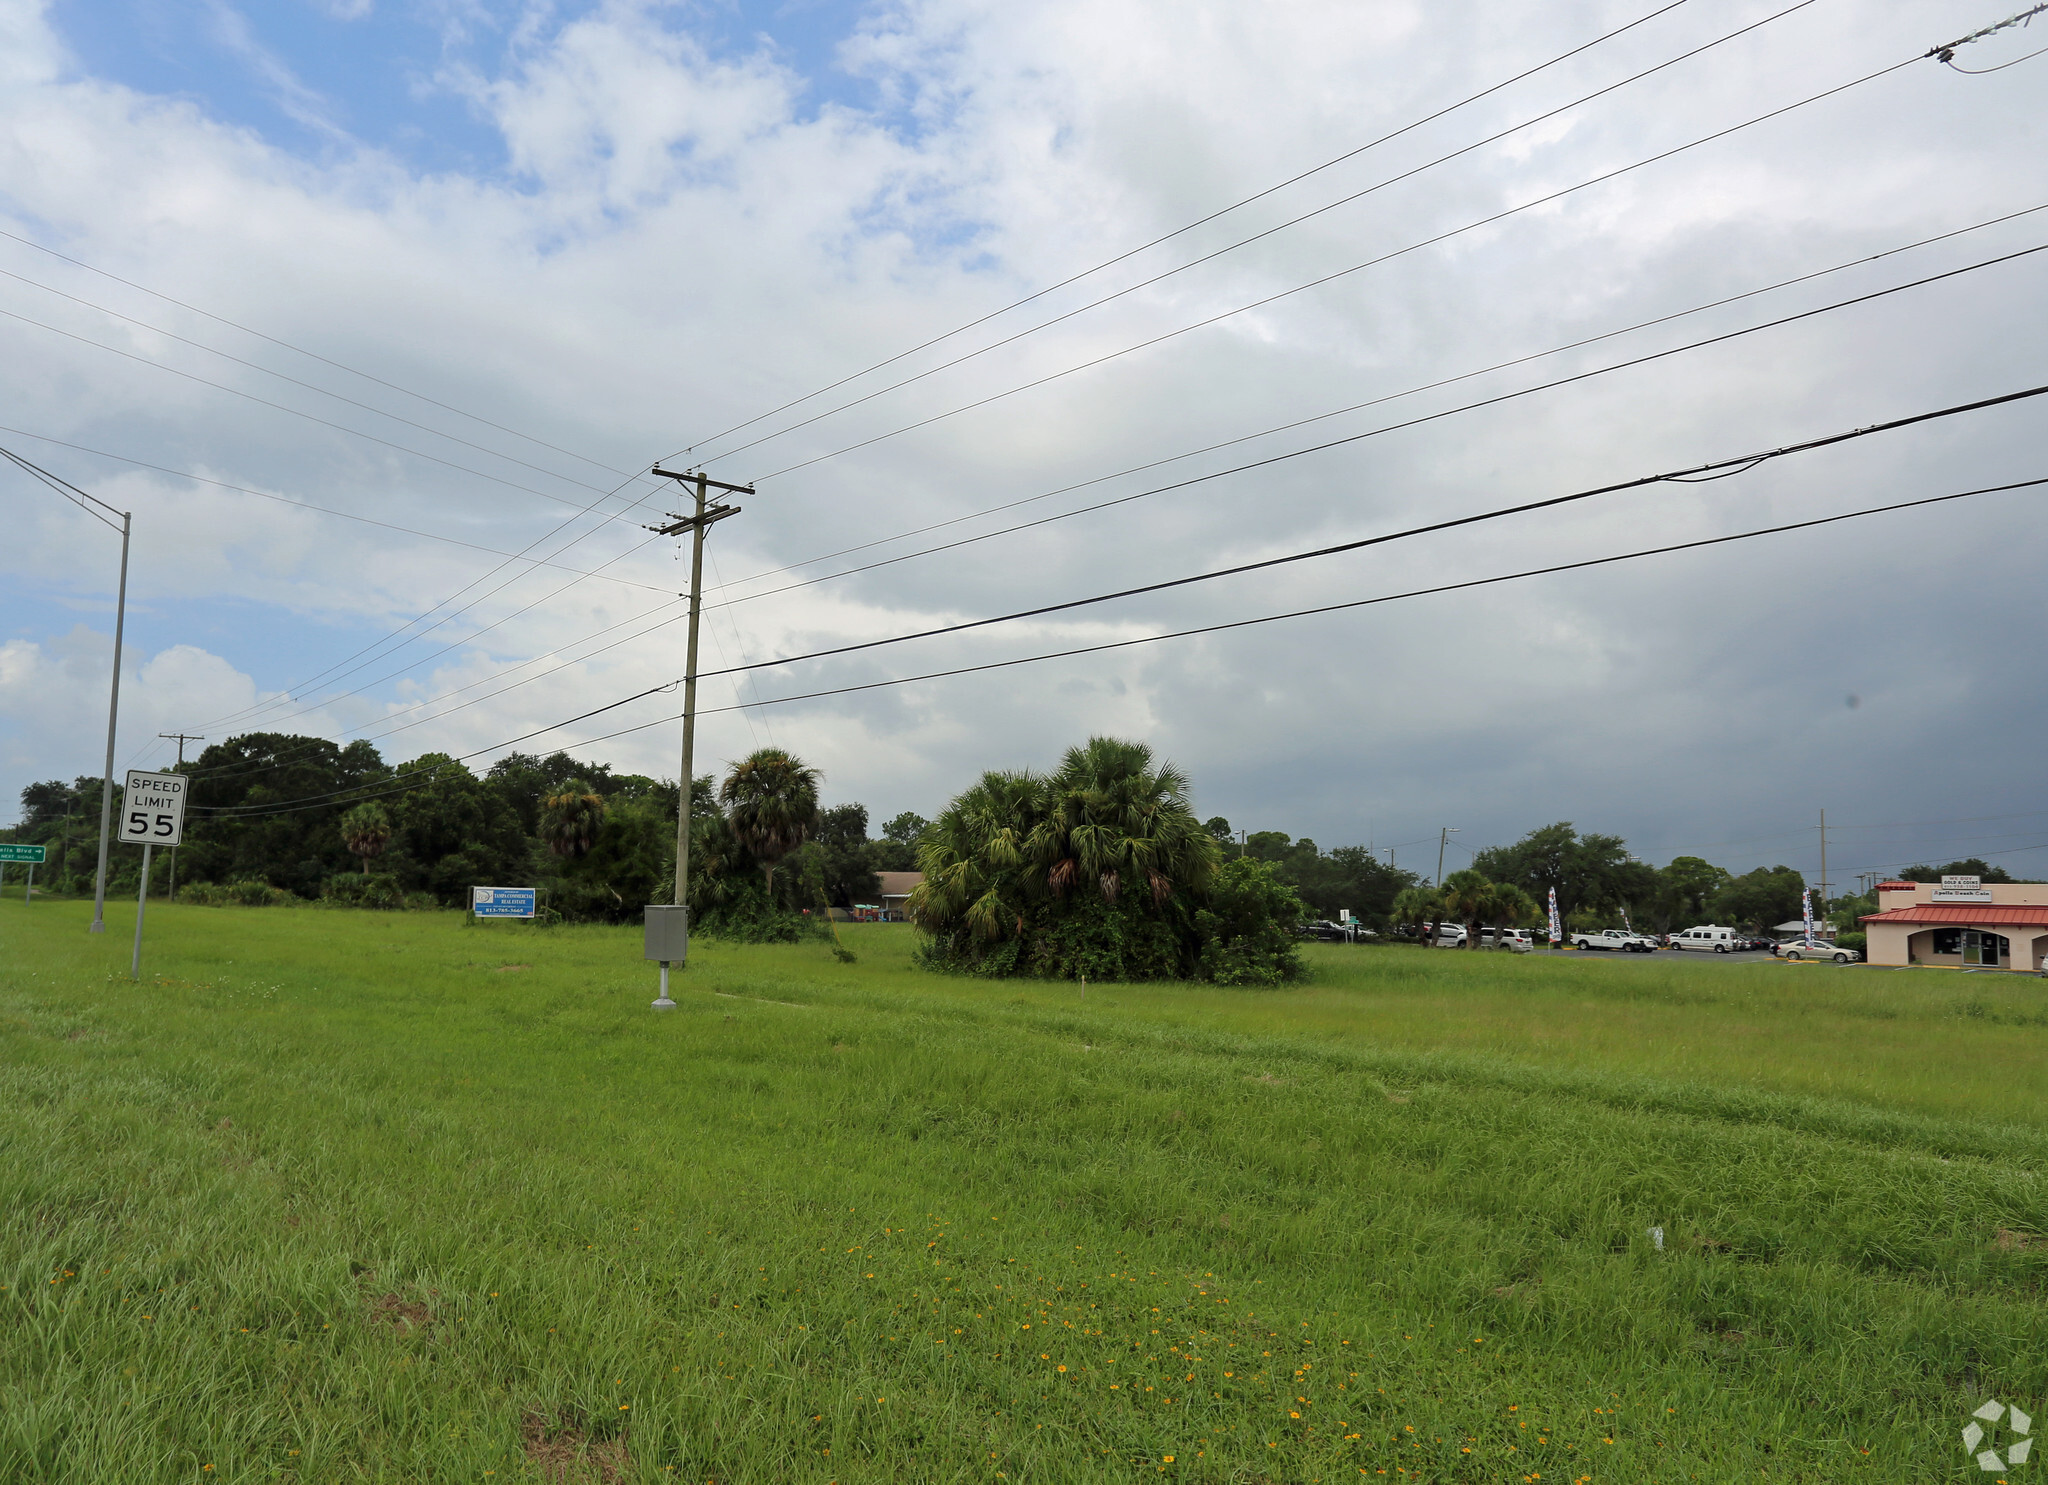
{"x": 506, "y": 969}
{"x": 406, "y": 1316}
{"x": 2007, "y": 1240}
{"x": 566, "y": 1456}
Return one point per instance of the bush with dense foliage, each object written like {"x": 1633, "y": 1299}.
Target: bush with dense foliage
{"x": 1099, "y": 871}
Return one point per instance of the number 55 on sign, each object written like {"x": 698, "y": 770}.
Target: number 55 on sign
{"x": 153, "y": 809}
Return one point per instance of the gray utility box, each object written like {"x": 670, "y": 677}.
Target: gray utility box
{"x": 668, "y": 934}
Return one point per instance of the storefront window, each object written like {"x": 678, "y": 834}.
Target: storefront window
{"x": 1947, "y": 941}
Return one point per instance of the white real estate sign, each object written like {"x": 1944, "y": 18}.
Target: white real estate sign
{"x": 153, "y": 809}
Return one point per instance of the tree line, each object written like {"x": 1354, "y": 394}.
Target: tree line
{"x": 305, "y": 818}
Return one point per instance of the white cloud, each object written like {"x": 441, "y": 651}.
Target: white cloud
{"x": 683, "y": 241}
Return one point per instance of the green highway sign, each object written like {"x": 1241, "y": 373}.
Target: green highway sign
{"x": 34, "y": 855}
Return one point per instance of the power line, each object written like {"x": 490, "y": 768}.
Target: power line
{"x": 325, "y": 510}
{"x": 297, "y": 349}
{"x": 1740, "y": 464}
{"x": 1466, "y": 584}
{"x": 1375, "y": 432}
{"x": 1191, "y": 226}
{"x": 267, "y": 371}
{"x": 298, "y": 413}
{"x": 1260, "y": 236}
{"x": 1341, "y": 273}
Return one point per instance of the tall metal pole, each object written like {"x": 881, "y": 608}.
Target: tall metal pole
{"x": 99, "y": 891}
{"x": 1442, "y": 841}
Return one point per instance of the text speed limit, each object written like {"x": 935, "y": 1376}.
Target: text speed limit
{"x": 153, "y": 808}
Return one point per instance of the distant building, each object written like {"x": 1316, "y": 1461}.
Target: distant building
{"x": 896, "y": 890}
{"x": 1796, "y": 928}
{"x": 1960, "y": 923}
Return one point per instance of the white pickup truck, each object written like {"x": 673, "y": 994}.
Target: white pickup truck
{"x": 1614, "y": 938}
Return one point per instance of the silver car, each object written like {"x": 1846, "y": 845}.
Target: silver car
{"x": 1818, "y": 951}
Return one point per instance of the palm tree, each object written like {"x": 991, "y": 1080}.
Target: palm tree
{"x": 1419, "y": 907}
{"x": 1114, "y": 820}
{"x": 972, "y": 858}
{"x": 1468, "y": 898}
{"x": 365, "y": 830}
{"x": 569, "y": 820}
{"x": 1511, "y": 907}
{"x": 771, "y": 801}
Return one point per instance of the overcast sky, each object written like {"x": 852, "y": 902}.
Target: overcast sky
{"x": 464, "y": 268}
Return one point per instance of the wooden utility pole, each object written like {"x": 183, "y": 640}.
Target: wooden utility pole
{"x": 181, "y": 738}
{"x": 707, "y": 515}
{"x": 1823, "y": 863}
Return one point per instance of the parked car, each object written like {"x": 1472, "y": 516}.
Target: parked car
{"x": 1768, "y": 945}
{"x": 1615, "y": 938}
{"x": 1325, "y": 931}
{"x": 1707, "y": 936}
{"x": 1515, "y": 940}
{"x": 1822, "y": 951}
{"x": 1450, "y": 935}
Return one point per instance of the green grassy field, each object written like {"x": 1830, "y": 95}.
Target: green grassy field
{"x": 333, "y": 1196}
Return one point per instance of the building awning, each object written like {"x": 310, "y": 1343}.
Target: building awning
{"x": 1965, "y": 915}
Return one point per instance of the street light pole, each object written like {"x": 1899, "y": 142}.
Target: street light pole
{"x": 1442, "y": 841}
{"x": 104, "y": 515}
{"x": 99, "y": 890}
{"x": 706, "y": 516}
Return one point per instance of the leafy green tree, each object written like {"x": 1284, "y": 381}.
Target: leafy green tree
{"x": 268, "y": 805}
{"x": 1972, "y": 867}
{"x": 1219, "y": 827}
{"x": 570, "y": 819}
{"x": 1685, "y": 889}
{"x": 365, "y": 830}
{"x": 771, "y": 801}
{"x": 456, "y": 832}
{"x": 1246, "y": 928}
{"x": 845, "y": 858}
{"x": 1760, "y": 899}
{"x": 1511, "y": 907}
{"x": 1589, "y": 872}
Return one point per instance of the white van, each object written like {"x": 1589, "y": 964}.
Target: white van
{"x": 1720, "y": 940}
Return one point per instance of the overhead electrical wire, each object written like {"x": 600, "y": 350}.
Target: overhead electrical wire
{"x": 299, "y": 413}
{"x": 314, "y": 802}
{"x": 1730, "y": 467}
{"x": 298, "y": 349}
{"x": 1740, "y": 464}
{"x": 325, "y": 510}
{"x": 268, "y": 371}
{"x": 1388, "y": 428}
{"x": 1189, "y": 227}
{"x": 1341, "y": 273}
{"x": 1267, "y": 232}
{"x": 1748, "y": 460}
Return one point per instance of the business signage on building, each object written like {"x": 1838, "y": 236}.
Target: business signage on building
{"x": 1962, "y": 889}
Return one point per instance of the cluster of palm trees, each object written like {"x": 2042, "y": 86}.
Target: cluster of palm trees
{"x": 1468, "y": 898}
{"x": 1109, "y": 823}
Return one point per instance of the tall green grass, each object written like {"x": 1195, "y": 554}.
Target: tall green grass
{"x": 336, "y": 1196}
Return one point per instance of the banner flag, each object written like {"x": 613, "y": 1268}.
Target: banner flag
{"x": 1806, "y": 911}
{"x": 1556, "y": 928}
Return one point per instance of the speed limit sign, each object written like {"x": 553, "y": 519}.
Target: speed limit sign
{"x": 153, "y": 808}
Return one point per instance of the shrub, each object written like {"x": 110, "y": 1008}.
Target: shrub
{"x": 247, "y": 892}
{"x": 1858, "y": 941}
{"x": 379, "y": 891}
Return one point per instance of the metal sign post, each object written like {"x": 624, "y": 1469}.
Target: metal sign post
{"x": 152, "y": 815}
